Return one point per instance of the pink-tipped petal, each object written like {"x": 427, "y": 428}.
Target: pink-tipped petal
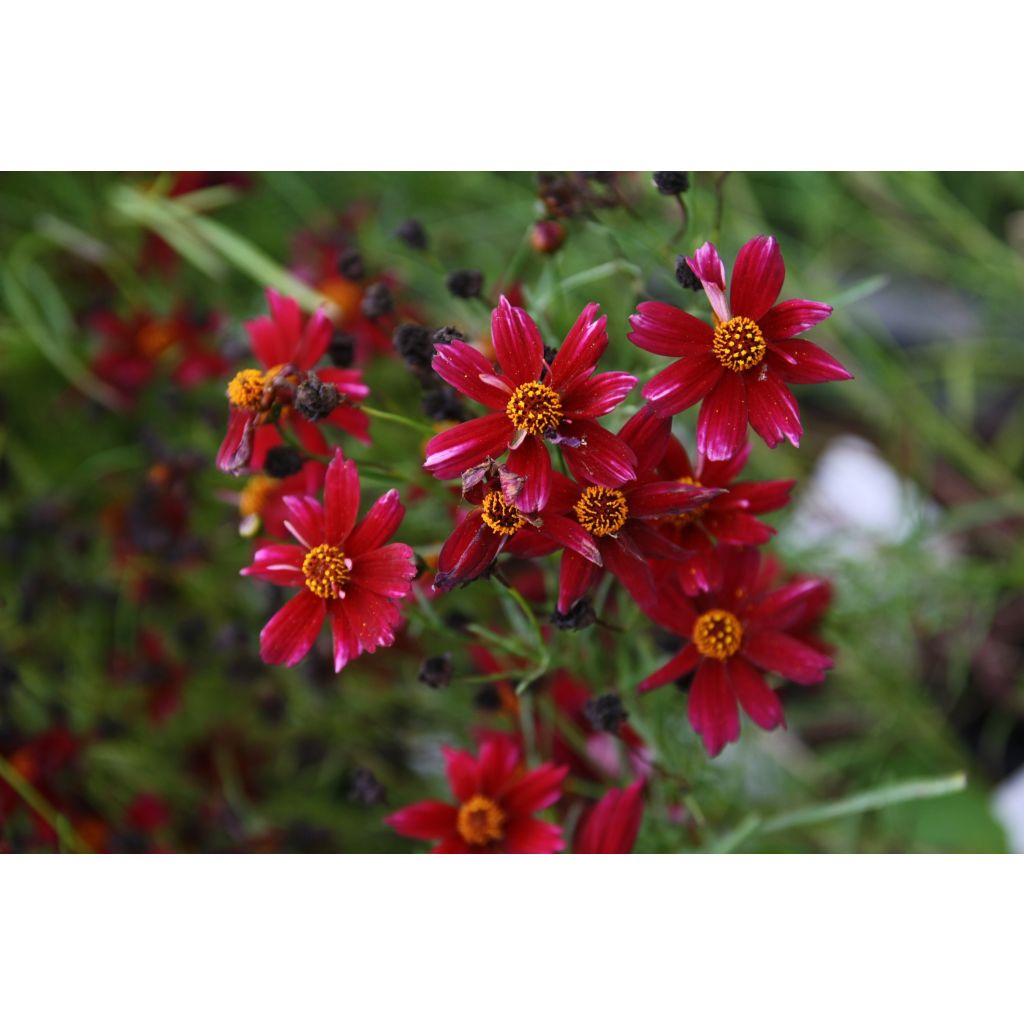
{"x": 667, "y": 331}
{"x": 602, "y": 458}
{"x": 793, "y": 317}
{"x": 467, "y": 445}
{"x": 583, "y": 347}
{"x": 288, "y": 636}
{"x": 597, "y": 396}
{"x": 803, "y": 362}
{"x": 378, "y": 526}
{"x": 532, "y": 461}
{"x": 304, "y": 519}
{"x": 683, "y": 383}
{"x": 469, "y": 372}
{"x": 708, "y": 266}
{"x": 722, "y": 422}
{"x": 757, "y": 277}
{"x": 387, "y": 571}
{"x": 343, "y": 637}
{"x": 517, "y": 343}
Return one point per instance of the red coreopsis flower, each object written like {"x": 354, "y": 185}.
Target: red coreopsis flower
{"x": 261, "y": 501}
{"x": 613, "y": 824}
{"x": 739, "y": 367}
{"x": 733, "y": 635}
{"x": 534, "y": 402}
{"x": 496, "y": 524}
{"x": 729, "y": 518}
{"x": 496, "y": 798}
{"x": 346, "y": 573}
{"x": 287, "y": 350}
{"x": 619, "y": 518}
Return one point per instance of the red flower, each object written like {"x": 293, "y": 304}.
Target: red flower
{"x": 261, "y": 502}
{"x": 534, "y": 401}
{"x": 287, "y": 349}
{"x": 729, "y": 518}
{"x": 496, "y": 800}
{"x": 740, "y": 366}
{"x": 496, "y": 525}
{"x": 734, "y": 634}
{"x": 612, "y": 825}
{"x": 618, "y": 518}
{"x": 346, "y": 572}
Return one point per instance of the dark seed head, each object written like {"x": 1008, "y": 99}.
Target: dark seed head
{"x": 671, "y": 183}
{"x": 446, "y": 335}
{"x": 282, "y": 461}
{"x": 685, "y": 276}
{"x": 579, "y": 616}
{"x": 436, "y": 671}
{"x": 351, "y": 266}
{"x": 377, "y": 301}
{"x": 465, "y": 284}
{"x": 606, "y": 712}
{"x": 413, "y": 233}
{"x": 415, "y": 345}
{"x": 315, "y": 398}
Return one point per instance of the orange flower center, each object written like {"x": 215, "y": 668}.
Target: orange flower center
{"x": 500, "y": 516}
{"x": 246, "y": 389}
{"x": 534, "y": 407}
{"x": 738, "y": 344}
{"x": 327, "y": 570}
{"x": 255, "y": 494}
{"x": 480, "y": 821}
{"x": 717, "y": 634}
{"x": 602, "y": 510}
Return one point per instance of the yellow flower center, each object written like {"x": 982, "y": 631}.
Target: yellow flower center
{"x": 327, "y": 570}
{"x": 717, "y": 634}
{"x": 534, "y": 407}
{"x": 501, "y": 516}
{"x": 255, "y": 494}
{"x": 481, "y": 821}
{"x": 685, "y": 518}
{"x": 246, "y": 389}
{"x": 602, "y": 510}
{"x": 738, "y": 344}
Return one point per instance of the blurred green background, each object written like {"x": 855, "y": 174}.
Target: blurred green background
{"x": 117, "y": 528}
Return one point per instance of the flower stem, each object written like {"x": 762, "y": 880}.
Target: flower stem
{"x": 65, "y": 833}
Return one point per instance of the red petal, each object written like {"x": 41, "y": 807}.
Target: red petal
{"x": 526, "y": 835}
{"x": 288, "y": 636}
{"x": 707, "y": 265}
{"x": 791, "y": 659}
{"x": 722, "y": 423}
{"x": 602, "y": 458}
{"x": 649, "y": 435}
{"x": 499, "y": 757}
{"x": 463, "y": 773}
{"x": 667, "y": 331}
{"x": 575, "y": 577}
{"x": 757, "y": 277}
{"x": 759, "y": 700}
{"x": 462, "y": 366}
{"x": 517, "y": 343}
{"x": 684, "y": 383}
{"x": 736, "y": 528}
{"x": 569, "y": 534}
{"x": 613, "y": 824}
{"x": 681, "y": 664}
{"x": 313, "y": 343}
{"x": 712, "y": 711}
{"x": 666, "y": 498}
{"x": 532, "y": 461}
{"x": 235, "y": 453}
{"x": 773, "y": 411}
{"x": 379, "y": 524}
{"x": 341, "y": 498}
{"x": 590, "y": 399}
{"x": 632, "y": 572}
{"x": 804, "y": 362}
{"x": 346, "y": 645}
{"x": 278, "y": 563}
{"x": 387, "y": 571}
{"x": 373, "y": 618}
{"x": 793, "y": 317}
{"x": 288, "y": 318}
{"x": 430, "y": 819}
{"x": 583, "y": 347}
{"x": 534, "y": 791}
{"x": 348, "y": 382}
{"x": 305, "y": 520}
{"x": 467, "y": 553}
{"x": 467, "y": 445}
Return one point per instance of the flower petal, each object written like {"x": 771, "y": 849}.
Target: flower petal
{"x": 803, "y": 362}
{"x": 602, "y": 458}
{"x": 684, "y": 383}
{"x": 378, "y": 525}
{"x": 288, "y": 636}
{"x": 460, "y": 448}
{"x": 576, "y": 576}
{"x": 649, "y": 435}
{"x": 583, "y": 347}
{"x": 527, "y": 835}
{"x": 343, "y": 637}
{"x": 773, "y": 411}
{"x": 517, "y": 343}
{"x": 667, "y": 498}
{"x": 712, "y": 709}
{"x": 707, "y": 265}
{"x": 467, "y": 553}
{"x": 341, "y": 498}
{"x": 590, "y": 399}
{"x": 790, "y": 658}
{"x": 463, "y": 773}
{"x": 679, "y": 665}
{"x": 313, "y": 343}
{"x": 387, "y": 571}
{"x": 499, "y": 757}
{"x": 614, "y": 823}
{"x": 722, "y": 423}
{"x": 430, "y": 819}
{"x": 759, "y": 700}
{"x": 532, "y": 461}
{"x": 535, "y": 790}
{"x": 464, "y": 368}
{"x": 567, "y": 533}
{"x": 278, "y": 563}
{"x": 757, "y": 277}
{"x": 305, "y": 520}
{"x": 666, "y": 331}
{"x": 793, "y": 317}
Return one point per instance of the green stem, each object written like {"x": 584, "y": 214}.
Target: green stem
{"x": 393, "y": 417}
{"x": 65, "y": 833}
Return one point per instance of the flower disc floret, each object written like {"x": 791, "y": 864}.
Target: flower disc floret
{"x": 327, "y": 570}
{"x": 500, "y": 515}
{"x": 480, "y": 821}
{"x": 738, "y": 344}
{"x": 602, "y": 510}
{"x": 245, "y": 389}
{"x": 535, "y": 408}
{"x": 717, "y": 634}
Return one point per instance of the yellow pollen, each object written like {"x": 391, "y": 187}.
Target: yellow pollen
{"x": 246, "y": 389}
{"x": 738, "y": 344}
{"x": 535, "y": 408}
{"x": 327, "y": 570}
{"x": 501, "y": 516}
{"x": 255, "y": 494}
{"x": 685, "y": 518}
{"x": 602, "y": 510}
{"x": 481, "y": 821}
{"x": 717, "y": 634}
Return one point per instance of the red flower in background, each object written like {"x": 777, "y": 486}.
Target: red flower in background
{"x": 729, "y": 518}
{"x": 346, "y": 573}
{"x": 612, "y": 825}
{"x": 740, "y": 366}
{"x": 261, "y": 501}
{"x": 733, "y": 635}
{"x": 496, "y": 798}
{"x": 533, "y": 402}
{"x": 287, "y": 349}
